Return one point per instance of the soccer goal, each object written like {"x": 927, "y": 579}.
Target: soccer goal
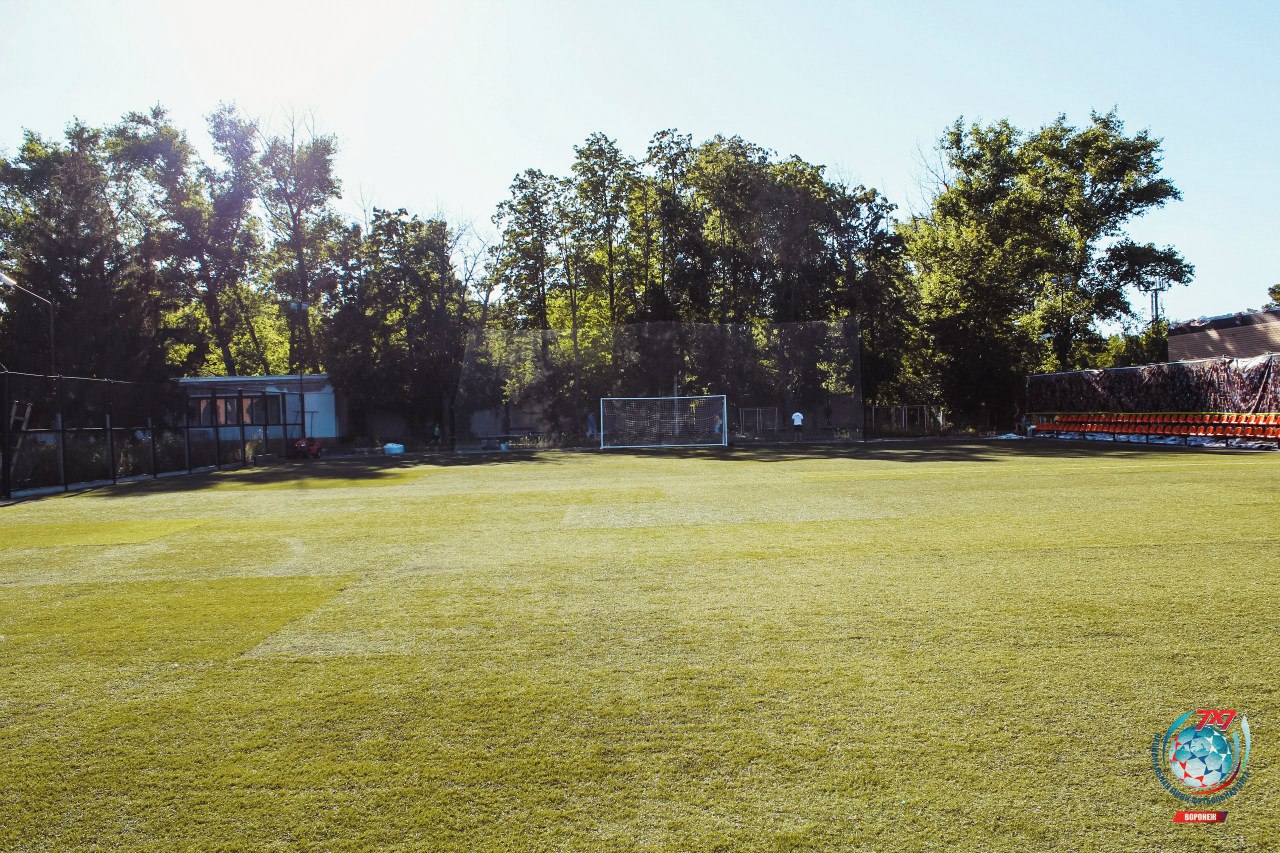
{"x": 664, "y": 421}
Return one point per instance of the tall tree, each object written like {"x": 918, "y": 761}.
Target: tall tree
{"x": 603, "y": 177}
{"x": 204, "y": 222}
{"x": 65, "y": 234}
{"x": 1088, "y": 184}
{"x": 398, "y": 331}
{"x": 297, "y": 195}
{"x": 524, "y": 256}
{"x": 679, "y": 287}
{"x": 1024, "y": 251}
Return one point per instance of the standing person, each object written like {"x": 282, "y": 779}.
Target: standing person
{"x": 797, "y": 424}
{"x": 716, "y": 425}
{"x": 435, "y": 436}
{"x": 591, "y": 425}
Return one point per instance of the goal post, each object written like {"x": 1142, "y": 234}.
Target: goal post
{"x": 701, "y": 421}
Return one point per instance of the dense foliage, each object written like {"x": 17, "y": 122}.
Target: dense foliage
{"x": 239, "y": 264}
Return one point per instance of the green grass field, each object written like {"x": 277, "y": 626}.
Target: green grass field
{"x": 918, "y": 646}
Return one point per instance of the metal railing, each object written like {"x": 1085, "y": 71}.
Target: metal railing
{"x": 59, "y": 433}
{"x": 904, "y": 420}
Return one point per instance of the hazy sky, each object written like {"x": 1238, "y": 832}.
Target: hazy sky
{"x": 437, "y": 105}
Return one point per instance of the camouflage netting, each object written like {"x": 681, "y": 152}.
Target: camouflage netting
{"x": 1240, "y": 385}
{"x": 549, "y": 382}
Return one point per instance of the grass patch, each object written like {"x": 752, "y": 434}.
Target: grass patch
{"x": 84, "y": 532}
{"x": 932, "y": 646}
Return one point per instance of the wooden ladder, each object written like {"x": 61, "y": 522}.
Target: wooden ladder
{"x": 18, "y": 425}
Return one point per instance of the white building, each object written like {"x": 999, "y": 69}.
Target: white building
{"x": 213, "y": 398}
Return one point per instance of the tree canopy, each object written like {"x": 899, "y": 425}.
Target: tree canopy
{"x": 238, "y": 262}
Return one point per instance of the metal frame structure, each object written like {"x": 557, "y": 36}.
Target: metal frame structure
{"x": 675, "y": 402}
{"x": 757, "y": 417}
{"x": 903, "y": 420}
{"x": 228, "y": 425}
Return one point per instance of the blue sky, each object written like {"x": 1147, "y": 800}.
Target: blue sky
{"x": 438, "y": 105}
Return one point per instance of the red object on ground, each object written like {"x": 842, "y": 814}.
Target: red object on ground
{"x": 307, "y": 447}
{"x": 1199, "y": 817}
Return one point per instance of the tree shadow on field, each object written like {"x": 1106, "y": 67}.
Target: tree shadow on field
{"x": 928, "y": 450}
{"x": 388, "y": 470}
{"x": 339, "y": 471}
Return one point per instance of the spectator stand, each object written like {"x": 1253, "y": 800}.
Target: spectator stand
{"x": 1222, "y": 426}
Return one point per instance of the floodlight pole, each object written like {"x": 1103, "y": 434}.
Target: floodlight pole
{"x": 1155, "y": 288}
{"x": 53, "y": 348}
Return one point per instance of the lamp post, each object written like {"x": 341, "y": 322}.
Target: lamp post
{"x": 53, "y": 349}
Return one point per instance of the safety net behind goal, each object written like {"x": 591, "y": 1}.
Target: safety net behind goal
{"x": 663, "y": 421}
{"x": 542, "y": 388}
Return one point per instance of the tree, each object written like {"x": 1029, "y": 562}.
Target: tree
{"x": 203, "y": 223}
{"x": 299, "y": 187}
{"x": 1127, "y": 349}
{"x": 1024, "y": 250}
{"x": 523, "y": 258}
{"x": 398, "y": 331}
{"x": 1088, "y": 184}
{"x": 66, "y": 234}
{"x": 676, "y": 258}
{"x": 602, "y": 180}
{"x": 1274, "y": 292}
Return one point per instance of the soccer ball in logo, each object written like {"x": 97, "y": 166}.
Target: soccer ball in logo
{"x": 1200, "y": 758}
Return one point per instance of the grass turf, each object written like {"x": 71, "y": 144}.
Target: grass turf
{"x": 920, "y": 646}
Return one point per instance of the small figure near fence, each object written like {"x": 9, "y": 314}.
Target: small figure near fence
{"x": 797, "y": 424}
{"x": 306, "y": 448}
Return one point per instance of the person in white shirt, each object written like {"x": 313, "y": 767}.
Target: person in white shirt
{"x": 797, "y": 424}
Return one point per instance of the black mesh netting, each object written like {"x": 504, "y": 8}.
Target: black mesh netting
{"x": 1241, "y": 385}
{"x": 550, "y": 382}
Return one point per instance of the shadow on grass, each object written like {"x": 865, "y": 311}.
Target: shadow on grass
{"x": 929, "y": 450}
{"x": 373, "y": 470}
{"x": 353, "y": 470}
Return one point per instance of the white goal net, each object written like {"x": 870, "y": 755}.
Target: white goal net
{"x": 663, "y": 421}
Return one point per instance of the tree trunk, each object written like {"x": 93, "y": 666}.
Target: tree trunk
{"x": 220, "y": 334}
{"x": 263, "y": 365}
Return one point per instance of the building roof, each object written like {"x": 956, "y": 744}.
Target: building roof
{"x": 219, "y": 380}
{"x": 1226, "y": 321}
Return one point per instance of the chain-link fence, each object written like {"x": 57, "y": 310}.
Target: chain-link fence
{"x": 63, "y": 432}
{"x": 892, "y": 421}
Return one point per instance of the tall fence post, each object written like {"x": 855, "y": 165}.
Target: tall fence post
{"x": 6, "y": 442}
{"x": 60, "y": 424}
{"x": 186, "y": 432}
{"x": 151, "y": 434}
{"x": 266, "y": 423}
{"x": 244, "y": 451}
{"x": 217, "y": 429}
{"x": 111, "y": 443}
